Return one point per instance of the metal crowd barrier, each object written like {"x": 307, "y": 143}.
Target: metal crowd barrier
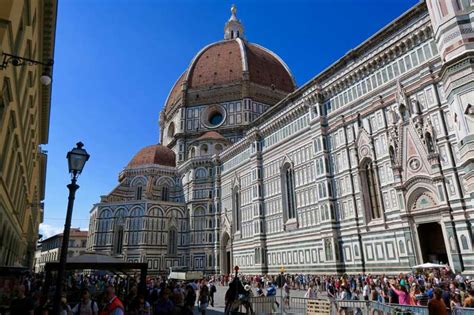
{"x": 381, "y": 308}
{"x": 263, "y": 305}
{"x": 297, "y": 305}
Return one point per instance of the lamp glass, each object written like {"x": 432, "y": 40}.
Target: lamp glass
{"x": 77, "y": 158}
{"x": 45, "y": 79}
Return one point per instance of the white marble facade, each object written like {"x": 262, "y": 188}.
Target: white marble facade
{"x": 368, "y": 167}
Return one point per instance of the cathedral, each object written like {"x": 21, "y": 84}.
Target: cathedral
{"x": 368, "y": 167}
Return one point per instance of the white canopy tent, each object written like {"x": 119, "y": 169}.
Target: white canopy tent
{"x": 428, "y": 266}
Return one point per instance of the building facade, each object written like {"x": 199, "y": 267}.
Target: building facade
{"x": 368, "y": 167}
{"x": 27, "y": 29}
{"x": 49, "y": 250}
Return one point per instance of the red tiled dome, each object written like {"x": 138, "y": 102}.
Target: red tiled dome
{"x": 154, "y": 154}
{"x": 230, "y": 62}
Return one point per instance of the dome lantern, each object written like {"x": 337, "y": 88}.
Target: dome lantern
{"x": 233, "y": 28}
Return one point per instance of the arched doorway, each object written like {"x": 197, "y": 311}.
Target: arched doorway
{"x": 432, "y": 245}
{"x": 225, "y": 254}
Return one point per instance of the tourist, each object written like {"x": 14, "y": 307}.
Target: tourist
{"x": 271, "y": 291}
{"x": 21, "y": 304}
{"x": 140, "y": 306}
{"x": 86, "y": 306}
{"x": 422, "y": 298}
{"x": 436, "y": 305}
{"x": 203, "y": 299}
{"x": 286, "y": 289}
{"x": 259, "y": 289}
{"x": 212, "y": 291}
{"x": 164, "y": 306}
{"x": 469, "y": 300}
{"x": 64, "y": 308}
{"x": 311, "y": 293}
{"x": 114, "y": 306}
{"x": 190, "y": 298}
{"x": 366, "y": 291}
{"x": 403, "y": 297}
{"x": 455, "y": 301}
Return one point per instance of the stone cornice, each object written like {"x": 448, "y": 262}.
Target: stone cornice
{"x": 148, "y": 169}
{"x": 379, "y": 98}
{"x": 419, "y": 32}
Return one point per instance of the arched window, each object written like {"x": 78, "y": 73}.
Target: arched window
{"x": 391, "y": 152}
{"x": 218, "y": 148}
{"x": 403, "y": 112}
{"x": 231, "y": 34}
{"x": 464, "y": 243}
{"x": 138, "y": 192}
{"x": 371, "y": 190}
{"x": 172, "y": 242}
{"x": 119, "y": 231}
{"x": 171, "y": 130}
{"x": 328, "y": 249}
{"x": 429, "y": 143}
{"x": 289, "y": 188}
{"x": 165, "y": 193}
{"x": 210, "y": 238}
{"x": 104, "y": 226}
{"x": 204, "y": 149}
{"x": 192, "y": 152}
{"x": 236, "y": 206}
{"x": 118, "y": 240}
{"x": 135, "y": 227}
{"x": 200, "y": 173}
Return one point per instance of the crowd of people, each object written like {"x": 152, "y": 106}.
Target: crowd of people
{"x": 439, "y": 290}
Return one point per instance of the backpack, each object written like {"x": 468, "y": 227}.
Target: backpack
{"x": 348, "y": 296}
{"x": 154, "y": 295}
{"x": 92, "y": 306}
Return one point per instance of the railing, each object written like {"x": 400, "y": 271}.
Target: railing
{"x": 355, "y": 307}
{"x": 296, "y": 305}
{"x": 381, "y": 308}
{"x": 262, "y": 305}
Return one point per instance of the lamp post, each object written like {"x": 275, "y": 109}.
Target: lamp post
{"x": 77, "y": 158}
{"x": 16, "y": 61}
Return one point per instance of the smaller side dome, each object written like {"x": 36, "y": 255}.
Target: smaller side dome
{"x": 153, "y": 154}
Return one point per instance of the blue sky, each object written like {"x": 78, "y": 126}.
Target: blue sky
{"x": 115, "y": 62}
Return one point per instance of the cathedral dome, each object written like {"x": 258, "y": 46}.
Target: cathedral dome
{"x": 153, "y": 154}
{"x": 233, "y": 67}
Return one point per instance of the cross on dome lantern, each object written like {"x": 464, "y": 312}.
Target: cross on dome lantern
{"x": 233, "y": 28}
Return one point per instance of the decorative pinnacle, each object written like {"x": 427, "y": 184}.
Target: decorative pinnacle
{"x": 233, "y": 10}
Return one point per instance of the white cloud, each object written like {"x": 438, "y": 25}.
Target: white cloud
{"x": 48, "y": 230}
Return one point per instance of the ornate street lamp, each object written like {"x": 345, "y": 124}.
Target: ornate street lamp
{"x": 77, "y": 158}
{"x": 16, "y": 61}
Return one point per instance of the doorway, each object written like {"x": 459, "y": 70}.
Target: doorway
{"x": 433, "y": 248}
{"x": 225, "y": 254}
{"x": 227, "y": 262}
